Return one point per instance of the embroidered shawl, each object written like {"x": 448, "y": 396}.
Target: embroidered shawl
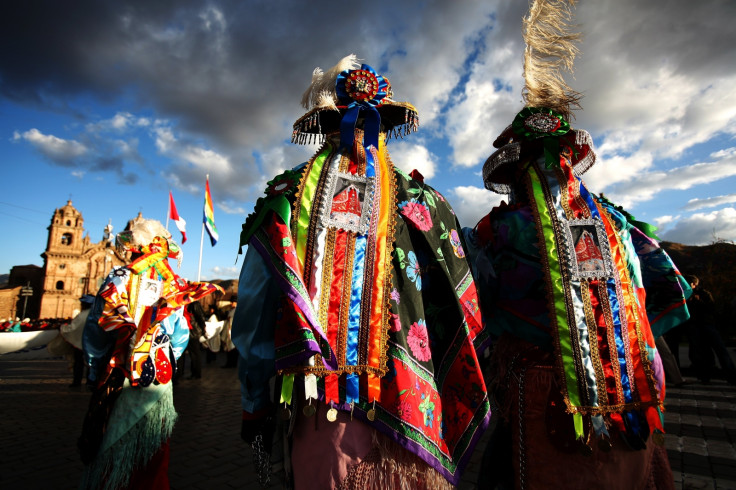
{"x": 380, "y": 315}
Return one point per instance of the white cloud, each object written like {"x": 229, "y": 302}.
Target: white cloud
{"x": 702, "y": 228}
{"x": 709, "y": 202}
{"x": 612, "y": 169}
{"x": 644, "y": 186}
{"x": 488, "y": 103}
{"x": 224, "y": 272}
{"x": 120, "y": 122}
{"x": 56, "y": 149}
{"x": 471, "y": 203}
{"x": 202, "y": 158}
{"x": 408, "y": 157}
{"x": 229, "y": 209}
{"x": 665, "y": 220}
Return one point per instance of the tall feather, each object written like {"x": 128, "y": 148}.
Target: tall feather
{"x": 550, "y": 50}
{"x": 321, "y": 92}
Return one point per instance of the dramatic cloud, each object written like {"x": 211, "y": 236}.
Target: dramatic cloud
{"x": 472, "y": 203}
{"x": 410, "y": 157}
{"x": 57, "y": 150}
{"x": 216, "y": 85}
{"x": 646, "y": 185}
{"x": 226, "y": 70}
{"x": 711, "y": 202}
{"x": 702, "y": 229}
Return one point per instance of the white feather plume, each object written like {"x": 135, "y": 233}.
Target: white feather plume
{"x": 321, "y": 92}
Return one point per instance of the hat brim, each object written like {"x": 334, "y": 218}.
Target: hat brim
{"x": 499, "y": 170}
{"x": 401, "y": 118}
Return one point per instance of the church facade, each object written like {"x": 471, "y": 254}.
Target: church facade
{"x": 73, "y": 264}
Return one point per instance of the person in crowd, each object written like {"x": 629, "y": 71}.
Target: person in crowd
{"x": 706, "y": 343}
{"x": 357, "y": 320}
{"x": 72, "y": 333}
{"x": 194, "y": 313}
{"x": 231, "y": 361}
{"x": 15, "y": 326}
{"x": 213, "y": 333}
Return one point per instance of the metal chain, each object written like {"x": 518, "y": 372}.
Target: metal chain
{"x": 261, "y": 460}
{"x": 522, "y": 452}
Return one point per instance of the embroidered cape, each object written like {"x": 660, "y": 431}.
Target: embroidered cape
{"x": 379, "y": 314}
{"x": 574, "y": 276}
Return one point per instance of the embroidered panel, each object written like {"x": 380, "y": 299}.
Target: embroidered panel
{"x": 349, "y": 202}
{"x": 587, "y": 251}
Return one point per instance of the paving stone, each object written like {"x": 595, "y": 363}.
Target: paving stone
{"x": 42, "y": 418}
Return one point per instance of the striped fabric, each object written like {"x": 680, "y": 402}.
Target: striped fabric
{"x": 209, "y": 214}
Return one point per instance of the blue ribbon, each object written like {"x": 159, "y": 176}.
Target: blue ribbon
{"x": 371, "y": 117}
{"x": 371, "y": 125}
{"x": 614, "y": 302}
{"x": 352, "y": 388}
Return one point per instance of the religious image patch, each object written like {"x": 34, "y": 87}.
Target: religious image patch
{"x": 589, "y": 255}
{"x": 350, "y": 205}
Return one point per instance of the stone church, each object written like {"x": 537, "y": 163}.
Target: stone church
{"x": 73, "y": 266}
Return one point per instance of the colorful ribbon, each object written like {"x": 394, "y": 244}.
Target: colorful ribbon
{"x": 360, "y": 92}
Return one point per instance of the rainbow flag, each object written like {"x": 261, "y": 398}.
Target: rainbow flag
{"x": 209, "y": 214}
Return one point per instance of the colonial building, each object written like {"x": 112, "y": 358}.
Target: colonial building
{"x": 12, "y": 302}
{"x": 73, "y": 265}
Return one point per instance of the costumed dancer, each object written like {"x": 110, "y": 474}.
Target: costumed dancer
{"x": 72, "y": 333}
{"x": 576, "y": 291}
{"x": 133, "y": 336}
{"x": 356, "y": 293}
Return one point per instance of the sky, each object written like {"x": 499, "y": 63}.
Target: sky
{"x": 113, "y": 104}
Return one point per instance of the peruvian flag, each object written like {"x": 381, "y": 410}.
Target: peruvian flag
{"x": 180, "y": 223}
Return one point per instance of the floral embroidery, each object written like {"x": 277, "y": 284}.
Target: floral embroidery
{"x": 413, "y": 270}
{"x": 418, "y": 341}
{"x": 403, "y": 409}
{"x": 427, "y": 408}
{"x": 418, "y": 213}
{"x": 395, "y": 295}
{"x": 456, "y": 245}
{"x": 395, "y": 322}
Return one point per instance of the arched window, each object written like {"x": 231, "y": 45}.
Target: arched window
{"x": 68, "y": 222}
{"x": 59, "y": 285}
{"x": 66, "y": 239}
{"x": 62, "y": 266}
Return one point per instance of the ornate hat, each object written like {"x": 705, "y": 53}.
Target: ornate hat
{"x": 140, "y": 237}
{"x": 543, "y": 123}
{"x": 337, "y": 98}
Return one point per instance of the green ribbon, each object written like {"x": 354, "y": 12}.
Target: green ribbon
{"x": 308, "y": 195}
{"x": 557, "y": 286}
{"x": 278, "y": 203}
{"x": 287, "y": 388}
{"x": 523, "y": 127}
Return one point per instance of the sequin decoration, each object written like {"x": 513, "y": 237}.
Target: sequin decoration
{"x": 164, "y": 370}
{"x": 542, "y": 123}
{"x": 361, "y": 85}
{"x": 148, "y": 372}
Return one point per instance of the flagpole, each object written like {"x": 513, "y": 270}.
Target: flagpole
{"x": 201, "y": 243}
{"x": 168, "y": 210}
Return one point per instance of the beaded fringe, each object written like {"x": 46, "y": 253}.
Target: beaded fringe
{"x": 390, "y": 467}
